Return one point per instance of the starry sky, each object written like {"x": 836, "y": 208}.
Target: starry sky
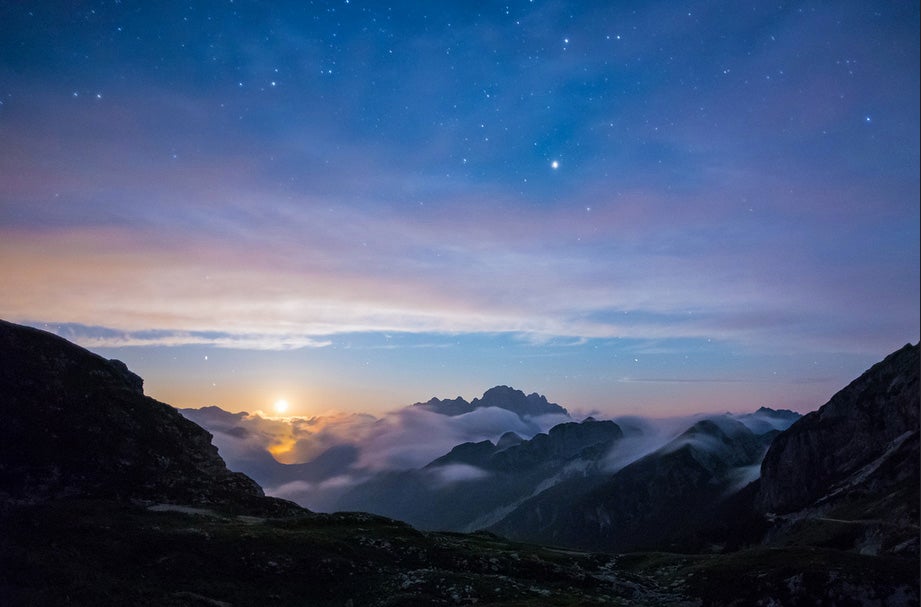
{"x": 631, "y": 207}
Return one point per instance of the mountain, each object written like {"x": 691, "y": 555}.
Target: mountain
{"x": 477, "y": 482}
{"x": 849, "y": 472}
{"x": 765, "y": 420}
{"x": 662, "y": 500}
{"x": 502, "y": 397}
{"x": 78, "y": 425}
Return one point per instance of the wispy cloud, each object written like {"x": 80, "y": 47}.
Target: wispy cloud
{"x": 103, "y": 337}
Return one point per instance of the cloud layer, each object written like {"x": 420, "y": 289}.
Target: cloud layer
{"x": 314, "y": 461}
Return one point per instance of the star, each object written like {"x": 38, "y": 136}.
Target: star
{"x": 554, "y": 165}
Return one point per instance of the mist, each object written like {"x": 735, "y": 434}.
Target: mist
{"x": 315, "y": 460}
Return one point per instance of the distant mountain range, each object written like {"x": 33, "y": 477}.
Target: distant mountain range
{"x": 662, "y": 500}
{"x": 109, "y": 497}
{"x": 554, "y": 488}
{"x": 533, "y": 487}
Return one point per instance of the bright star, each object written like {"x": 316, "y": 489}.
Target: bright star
{"x": 554, "y": 165}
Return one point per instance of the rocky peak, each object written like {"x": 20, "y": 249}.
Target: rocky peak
{"x": 449, "y": 407}
{"x": 766, "y": 420}
{"x": 505, "y": 397}
{"x": 502, "y": 397}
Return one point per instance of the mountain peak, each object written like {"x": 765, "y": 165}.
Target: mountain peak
{"x": 449, "y": 407}
{"x": 505, "y": 397}
{"x": 502, "y": 397}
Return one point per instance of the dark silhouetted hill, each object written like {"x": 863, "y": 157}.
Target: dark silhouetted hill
{"x": 76, "y": 424}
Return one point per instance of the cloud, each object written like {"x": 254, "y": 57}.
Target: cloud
{"x": 404, "y": 439}
{"x": 104, "y": 337}
{"x": 313, "y": 460}
{"x": 326, "y": 456}
{"x": 304, "y": 269}
{"x": 644, "y": 435}
{"x": 412, "y": 437}
{"x": 318, "y": 496}
{"x": 457, "y": 473}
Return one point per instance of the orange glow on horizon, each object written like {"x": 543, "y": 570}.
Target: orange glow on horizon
{"x": 282, "y": 450}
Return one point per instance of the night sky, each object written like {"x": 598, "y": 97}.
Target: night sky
{"x": 631, "y": 207}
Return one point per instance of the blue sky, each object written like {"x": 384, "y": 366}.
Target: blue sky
{"x": 649, "y": 207}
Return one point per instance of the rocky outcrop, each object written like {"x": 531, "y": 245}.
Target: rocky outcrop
{"x": 78, "y": 425}
{"x": 873, "y": 416}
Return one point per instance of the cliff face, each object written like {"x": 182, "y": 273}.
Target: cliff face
{"x": 852, "y": 440}
{"x": 75, "y": 424}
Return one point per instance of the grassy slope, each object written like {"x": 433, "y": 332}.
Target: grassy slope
{"x": 102, "y": 553}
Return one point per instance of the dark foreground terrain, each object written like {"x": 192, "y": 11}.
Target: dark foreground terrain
{"x": 108, "y": 497}
{"x": 91, "y": 552}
